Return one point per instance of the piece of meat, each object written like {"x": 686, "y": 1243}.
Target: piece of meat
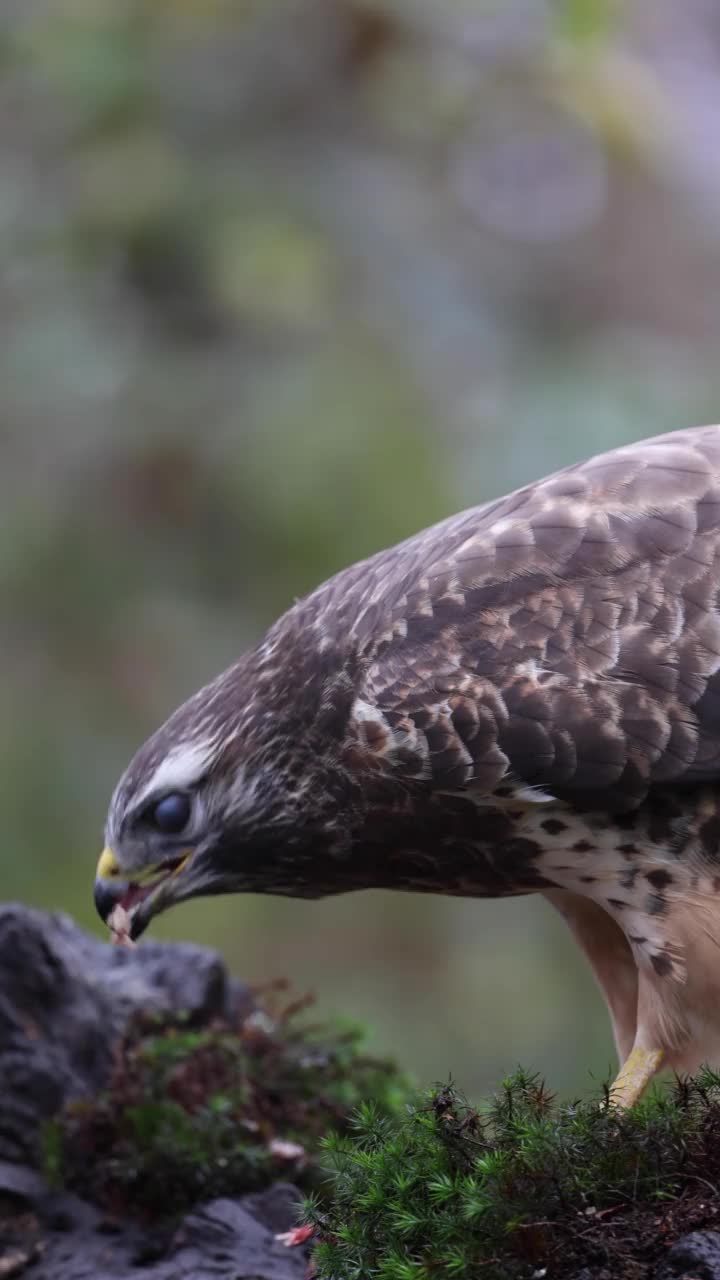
{"x": 119, "y": 923}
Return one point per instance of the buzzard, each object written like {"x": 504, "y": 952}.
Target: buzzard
{"x": 524, "y": 698}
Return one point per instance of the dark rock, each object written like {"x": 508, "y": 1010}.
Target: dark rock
{"x": 65, "y": 997}
{"x": 276, "y": 1208}
{"x": 695, "y": 1257}
{"x": 20, "y": 1182}
{"x": 222, "y": 1240}
{"x": 76, "y": 1248}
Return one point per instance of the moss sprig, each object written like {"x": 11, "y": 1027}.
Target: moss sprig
{"x": 442, "y": 1190}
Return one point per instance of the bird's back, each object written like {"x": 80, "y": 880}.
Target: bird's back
{"x": 566, "y": 636}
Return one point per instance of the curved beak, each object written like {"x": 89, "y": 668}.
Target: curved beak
{"x": 141, "y": 898}
{"x": 110, "y": 887}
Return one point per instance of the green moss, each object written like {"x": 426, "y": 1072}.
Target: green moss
{"x": 406, "y": 1186}
{"x": 191, "y": 1114}
{"x": 441, "y": 1190}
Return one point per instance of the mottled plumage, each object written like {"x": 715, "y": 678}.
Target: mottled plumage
{"x": 525, "y": 697}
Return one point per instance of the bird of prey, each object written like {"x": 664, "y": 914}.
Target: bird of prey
{"x": 524, "y": 698}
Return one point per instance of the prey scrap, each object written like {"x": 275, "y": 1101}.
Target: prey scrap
{"x": 119, "y": 923}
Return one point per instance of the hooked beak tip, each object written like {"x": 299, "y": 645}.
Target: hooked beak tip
{"x": 107, "y": 895}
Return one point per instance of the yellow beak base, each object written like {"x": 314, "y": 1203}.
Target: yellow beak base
{"x": 107, "y": 867}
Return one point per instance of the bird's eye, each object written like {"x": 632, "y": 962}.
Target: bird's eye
{"x": 171, "y": 814}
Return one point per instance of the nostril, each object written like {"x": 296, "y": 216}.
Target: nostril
{"x": 107, "y": 894}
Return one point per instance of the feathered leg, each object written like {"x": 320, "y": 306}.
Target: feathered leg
{"x": 611, "y": 959}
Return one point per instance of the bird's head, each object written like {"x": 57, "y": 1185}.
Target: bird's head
{"x": 233, "y": 794}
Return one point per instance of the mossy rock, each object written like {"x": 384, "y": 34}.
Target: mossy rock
{"x": 192, "y": 1114}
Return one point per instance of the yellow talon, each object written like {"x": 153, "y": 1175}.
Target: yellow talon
{"x": 635, "y": 1076}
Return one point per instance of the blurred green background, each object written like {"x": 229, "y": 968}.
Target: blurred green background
{"x": 283, "y": 282}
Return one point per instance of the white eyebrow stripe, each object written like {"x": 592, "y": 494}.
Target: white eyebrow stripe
{"x": 181, "y": 768}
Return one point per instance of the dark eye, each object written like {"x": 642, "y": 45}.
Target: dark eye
{"x": 171, "y": 814}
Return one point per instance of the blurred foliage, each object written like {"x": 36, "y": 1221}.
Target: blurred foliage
{"x": 191, "y": 1114}
{"x": 285, "y": 280}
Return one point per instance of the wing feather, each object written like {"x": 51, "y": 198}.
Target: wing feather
{"x": 567, "y": 635}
